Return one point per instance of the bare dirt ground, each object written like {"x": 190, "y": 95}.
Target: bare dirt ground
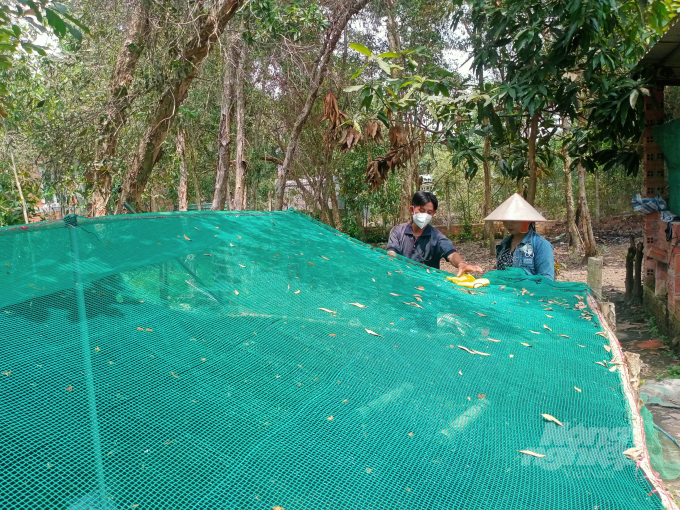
{"x": 633, "y": 328}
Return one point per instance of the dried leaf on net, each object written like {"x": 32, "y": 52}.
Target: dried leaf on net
{"x": 373, "y": 131}
{"x": 553, "y": 419}
{"x": 529, "y": 452}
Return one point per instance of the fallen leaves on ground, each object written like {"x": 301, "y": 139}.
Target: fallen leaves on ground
{"x": 565, "y": 336}
{"x": 420, "y": 288}
{"x": 393, "y": 294}
{"x": 185, "y": 237}
{"x": 326, "y": 310}
{"x": 372, "y": 332}
{"x": 546, "y": 327}
{"x": 358, "y": 305}
{"x": 480, "y": 314}
{"x": 235, "y": 292}
{"x": 492, "y": 340}
{"x": 577, "y": 389}
{"x": 607, "y": 348}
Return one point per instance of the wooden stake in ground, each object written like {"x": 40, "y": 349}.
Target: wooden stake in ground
{"x": 630, "y": 260}
{"x": 21, "y": 193}
{"x": 637, "y": 285}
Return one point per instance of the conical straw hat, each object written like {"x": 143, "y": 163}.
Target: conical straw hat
{"x": 515, "y": 208}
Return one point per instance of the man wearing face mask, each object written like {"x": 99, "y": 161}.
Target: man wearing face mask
{"x": 423, "y": 243}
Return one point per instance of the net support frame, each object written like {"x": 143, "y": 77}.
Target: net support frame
{"x": 87, "y": 362}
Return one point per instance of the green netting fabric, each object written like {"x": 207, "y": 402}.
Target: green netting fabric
{"x": 664, "y": 460}
{"x": 668, "y": 137}
{"x": 255, "y": 360}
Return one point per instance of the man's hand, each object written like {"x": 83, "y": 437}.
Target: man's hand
{"x": 391, "y": 253}
{"x": 464, "y": 267}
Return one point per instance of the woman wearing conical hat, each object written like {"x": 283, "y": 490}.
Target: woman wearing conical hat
{"x": 523, "y": 248}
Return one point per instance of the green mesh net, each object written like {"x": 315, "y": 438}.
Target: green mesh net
{"x": 260, "y": 360}
{"x": 668, "y": 137}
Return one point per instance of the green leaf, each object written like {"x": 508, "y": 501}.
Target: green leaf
{"x": 383, "y": 118}
{"x": 34, "y": 47}
{"x": 361, "y": 49}
{"x": 356, "y": 75}
{"x": 55, "y": 21}
{"x": 353, "y": 88}
{"x": 384, "y": 66}
{"x": 4, "y": 64}
{"x": 77, "y": 35}
{"x": 76, "y": 23}
{"x": 7, "y": 47}
{"x": 389, "y": 54}
{"x": 17, "y": 30}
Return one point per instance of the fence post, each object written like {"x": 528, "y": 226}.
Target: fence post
{"x": 595, "y": 276}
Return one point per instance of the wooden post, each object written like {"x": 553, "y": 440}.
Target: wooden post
{"x": 595, "y": 276}
{"x": 448, "y": 208}
{"x": 630, "y": 260}
{"x": 269, "y": 199}
{"x": 637, "y": 284}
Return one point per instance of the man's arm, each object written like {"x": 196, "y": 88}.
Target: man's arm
{"x": 393, "y": 243}
{"x": 463, "y": 267}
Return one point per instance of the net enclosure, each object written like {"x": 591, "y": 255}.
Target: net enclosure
{"x": 263, "y": 360}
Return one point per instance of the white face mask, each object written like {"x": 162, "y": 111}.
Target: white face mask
{"x": 422, "y": 219}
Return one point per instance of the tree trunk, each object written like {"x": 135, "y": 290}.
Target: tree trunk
{"x": 197, "y": 189}
{"x": 448, "y": 208}
{"x": 118, "y": 103}
{"x": 406, "y": 195}
{"x": 222, "y": 190}
{"x": 588, "y": 238}
{"x": 333, "y": 33}
{"x": 337, "y": 219}
{"x": 240, "y": 194}
{"x": 487, "y": 192}
{"x": 183, "y": 191}
{"x": 209, "y": 27}
{"x": 360, "y": 225}
{"x": 574, "y": 236}
{"x": 597, "y": 198}
{"x": 533, "y": 173}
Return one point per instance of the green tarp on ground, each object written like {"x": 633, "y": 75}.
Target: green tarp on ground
{"x": 259, "y": 360}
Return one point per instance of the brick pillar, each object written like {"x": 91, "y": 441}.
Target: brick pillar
{"x": 654, "y": 182}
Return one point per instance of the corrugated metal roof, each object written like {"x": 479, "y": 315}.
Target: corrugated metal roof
{"x": 666, "y": 54}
